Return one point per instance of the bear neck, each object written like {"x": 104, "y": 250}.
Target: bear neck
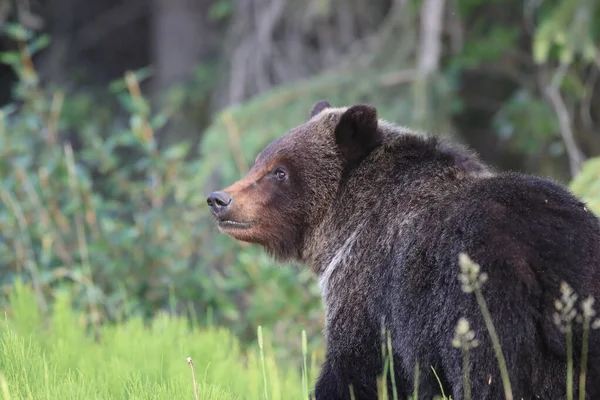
{"x": 393, "y": 186}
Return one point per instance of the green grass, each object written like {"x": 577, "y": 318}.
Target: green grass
{"x": 50, "y": 355}
{"x": 53, "y": 358}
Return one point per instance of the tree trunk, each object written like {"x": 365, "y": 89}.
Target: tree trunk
{"x": 182, "y": 36}
{"x": 432, "y": 21}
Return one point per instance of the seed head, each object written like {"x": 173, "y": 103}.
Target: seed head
{"x": 588, "y": 313}
{"x": 470, "y": 275}
{"x": 464, "y": 337}
{"x": 565, "y": 307}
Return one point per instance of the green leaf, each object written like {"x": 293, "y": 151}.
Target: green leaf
{"x": 220, "y": 10}
{"x": 541, "y": 49}
{"x": 119, "y": 85}
{"x": 11, "y": 58}
{"x": 39, "y": 43}
{"x": 16, "y": 32}
{"x": 177, "y": 151}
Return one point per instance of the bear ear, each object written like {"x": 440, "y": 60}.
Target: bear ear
{"x": 356, "y": 134}
{"x": 319, "y": 106}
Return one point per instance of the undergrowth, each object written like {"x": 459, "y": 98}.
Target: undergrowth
{"x": 52, "y": 355}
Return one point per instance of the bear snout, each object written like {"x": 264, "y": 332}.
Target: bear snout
{"x": 219, "y": 203}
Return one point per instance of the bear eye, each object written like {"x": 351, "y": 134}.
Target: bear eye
{"x": 280, "y": 174}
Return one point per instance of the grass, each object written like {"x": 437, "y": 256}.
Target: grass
{"x": 51, "y": 356}
{"x": 56, "y": 359}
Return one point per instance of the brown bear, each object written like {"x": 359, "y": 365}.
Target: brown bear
{"x": 381, "y": 214}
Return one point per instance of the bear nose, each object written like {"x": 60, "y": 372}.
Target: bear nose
{"x": 219, "y": 203}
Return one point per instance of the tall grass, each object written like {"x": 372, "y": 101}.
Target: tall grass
{"x": 465, "y": 340}
{"x": 55, "y": 358}
{"x": 472, "y": 280}
{"x": 57, "y": 355}
{"x": 587, "y": 319}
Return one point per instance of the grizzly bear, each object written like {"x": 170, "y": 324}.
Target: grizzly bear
{"x": 381, "y": 214}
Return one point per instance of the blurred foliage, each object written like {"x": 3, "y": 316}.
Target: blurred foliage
{"x": 569, "y": 30}
{"x": 517, "y": 51}
{"x": 124, "y": 227}
{"x": 586, "y": 184}
{"x": 525, "y": 112}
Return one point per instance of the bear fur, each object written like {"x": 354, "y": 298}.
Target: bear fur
{"x": 381, "y": 214}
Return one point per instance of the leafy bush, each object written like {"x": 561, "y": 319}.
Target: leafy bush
{"x": 91, "y": 205}
{"x": 53, "y": 358}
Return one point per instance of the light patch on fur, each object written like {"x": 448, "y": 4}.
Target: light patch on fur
{"x": 485, "y": 174}
{"x": 329, "y": 111}
{"x": 337, "y": 259}
{"x": 389, "y": 126}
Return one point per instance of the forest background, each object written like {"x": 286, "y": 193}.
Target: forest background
{"x": 118, "y": 117}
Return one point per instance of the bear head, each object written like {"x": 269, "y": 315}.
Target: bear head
{"x": 297, "y": 179}
{"x": 294, "y": 180}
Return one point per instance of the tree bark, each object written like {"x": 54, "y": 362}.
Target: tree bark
{"x": 182, "y": 36}
{"x": 432, "y": 20}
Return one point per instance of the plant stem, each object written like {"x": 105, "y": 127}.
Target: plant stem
{"x": 191, "y": 363}
{"x": 569, "y": 363}
{"x": 416, "y": 389}
{"x": 392, "y": 374}
{"x": 496, "y": 344}
{"x": 584, "y": 358}
{"x": 262, "y": 360}
{"x": 466, "y": 375}
{"x": 304, "y": 370}
{"x": 444, "y": 397}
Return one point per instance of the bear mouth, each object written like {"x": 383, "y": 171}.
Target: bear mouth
{"x": 234, "y": 225}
